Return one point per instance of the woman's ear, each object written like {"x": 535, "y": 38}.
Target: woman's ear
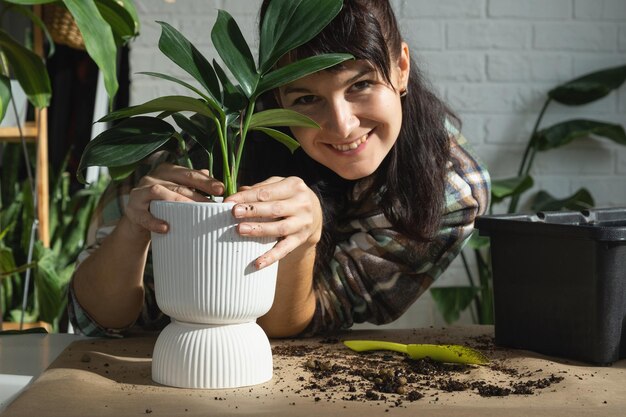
{"x": 404, "y": 67}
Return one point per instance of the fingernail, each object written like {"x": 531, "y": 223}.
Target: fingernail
{"x": 239, "y": 211}
{"x": 244, "y": 229}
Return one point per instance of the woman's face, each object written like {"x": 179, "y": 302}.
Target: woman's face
{"x": 359, "y": 114}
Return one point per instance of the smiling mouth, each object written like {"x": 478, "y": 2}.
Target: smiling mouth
{"x": 351, "y": 146}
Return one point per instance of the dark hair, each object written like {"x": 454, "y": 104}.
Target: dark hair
{"x": 412, "y": 176}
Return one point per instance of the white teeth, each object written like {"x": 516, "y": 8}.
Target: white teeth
{"x": 351, "y": 146}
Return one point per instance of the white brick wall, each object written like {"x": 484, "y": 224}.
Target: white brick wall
{"x": 492, "y": 60}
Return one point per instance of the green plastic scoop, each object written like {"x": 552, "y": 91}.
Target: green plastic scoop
{"x": 440, "y": 353}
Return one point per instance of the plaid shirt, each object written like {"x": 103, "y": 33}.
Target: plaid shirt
{"x": 373, "y": 276}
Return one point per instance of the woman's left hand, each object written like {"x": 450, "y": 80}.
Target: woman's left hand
{"x": 292, "y": 212}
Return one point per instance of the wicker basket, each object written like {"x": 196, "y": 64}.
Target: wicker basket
{"x": 62, "y": 26}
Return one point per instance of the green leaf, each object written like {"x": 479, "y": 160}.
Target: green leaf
{"x": 234, "y": 51}
{"x": 98, "y": 38}
{"x": 122, "y": 24}
{"x": 286, "y": 140}
{"x": 121, "y": 172}
{"x": 29, "y": 14}
{"x": 7, "y": 261}
{"x": 165, "y": 103}
{"x": 49, "y": 287}
{"x": 5, "y": 95}
{"x": 281, "y": 117}
{"x": 288, "y": 24}
{"x": 129, "y": 6}
{"x": 182, "y": 52}
{"x": 126, "y": 143}
{"x": 210, "y": 100}
{"x": 29, "y": 70}
{"x": 508, "y": 187}
{"x": 451, "y": 301}
{"x": 197, "y": 131}
{"x": 563, "y": 133}
{"x": 477, "y": 241}
{"x": 299, "y": 69}
{"x": 590, "y": 87}
{"x": 580, "y": 200}
{"x": 234, "y": 99}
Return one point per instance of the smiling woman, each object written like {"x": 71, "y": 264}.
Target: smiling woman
{"x": 360, "y": 114}
{"x": 368, "y": 212}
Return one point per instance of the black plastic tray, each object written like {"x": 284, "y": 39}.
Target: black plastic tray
{"x": 560, "y": 282}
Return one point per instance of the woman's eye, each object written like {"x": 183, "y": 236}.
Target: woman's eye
{"x": 361, "y": 85}
{"x": 304, "y": 100}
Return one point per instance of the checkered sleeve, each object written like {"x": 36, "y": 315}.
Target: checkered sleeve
{"x": 376, "y": 274}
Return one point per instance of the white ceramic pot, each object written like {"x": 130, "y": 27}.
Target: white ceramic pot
{"x": 205, "y": 281}
{"x": 204, "y": 356}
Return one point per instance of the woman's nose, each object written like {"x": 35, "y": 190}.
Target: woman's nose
{"x": 341, "y": 119}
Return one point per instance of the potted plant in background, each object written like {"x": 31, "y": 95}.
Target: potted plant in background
{"x": 558, "y": 276}
{"x": 102, "y": 26}
{"x": 478, "y": 295}
{"x": 43, "y": 303}
{"x": 204, "y": 279}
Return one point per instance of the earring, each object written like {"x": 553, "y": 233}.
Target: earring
{"x": 403, "y": 92}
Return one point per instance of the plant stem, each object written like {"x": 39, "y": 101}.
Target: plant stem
{"x": 468, "y": 271}
{"x": 529, "y": 155}
{"x": 486, "y": 312}
{"x": 17, "y": 270}
{"x": 242, "y": 140}
{"x": 183, "y": 149}
{"x": 222, "y": 134}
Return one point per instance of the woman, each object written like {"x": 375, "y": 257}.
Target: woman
{"x": 369, "y": 212}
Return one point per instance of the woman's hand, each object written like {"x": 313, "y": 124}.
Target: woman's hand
{"x": 292, "y": 209}
{"x": 171, "y": 183}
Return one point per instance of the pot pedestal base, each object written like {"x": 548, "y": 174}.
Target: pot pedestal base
{"x": 191, "y": 355}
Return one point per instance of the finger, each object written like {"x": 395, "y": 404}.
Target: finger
{"x": 281, "y": 249}
{"x": 197, "y": 179}
{"x": 269, "y": 190}
{"x": 138, "y": 209}
{"x": 270, "y": 180}
{"x": 270, "y": 210}
{"x": 152, "y": 224}
{"x": 185, "y": 191}
{"x": 270, "y": 229}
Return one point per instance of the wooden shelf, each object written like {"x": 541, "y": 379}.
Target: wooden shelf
{"x": 12, "y": 133}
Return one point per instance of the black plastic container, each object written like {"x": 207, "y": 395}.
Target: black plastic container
{"x": 560, "y": 282}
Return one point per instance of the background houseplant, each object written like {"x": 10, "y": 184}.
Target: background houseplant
{"x": 478, "y": 295}
{"x": 45, "y": 298}
{"x": 104, "y": 24}
{"x": 204, "y": 279}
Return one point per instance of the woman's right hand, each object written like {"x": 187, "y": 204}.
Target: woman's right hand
{"x": 171, "y": 183}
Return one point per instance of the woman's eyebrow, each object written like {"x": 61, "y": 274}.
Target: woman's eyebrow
{"x": 303, "y": 90}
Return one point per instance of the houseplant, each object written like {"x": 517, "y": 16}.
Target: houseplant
{"x": 45, "y": 298}
{"x": 478, "y": 295}
{"x": 104, "y": 25}
{"x": 213, "y": 340}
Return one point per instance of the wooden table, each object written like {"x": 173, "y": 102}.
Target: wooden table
{"x": 111, "y": 377}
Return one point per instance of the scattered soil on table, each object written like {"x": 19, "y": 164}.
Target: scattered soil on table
{"x": 329, "y": 373}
